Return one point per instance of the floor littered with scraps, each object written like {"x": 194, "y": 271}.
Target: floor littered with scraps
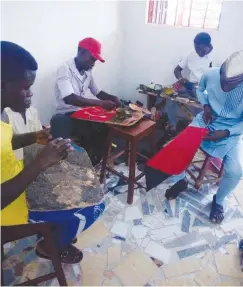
{"x": 151, "y": 242}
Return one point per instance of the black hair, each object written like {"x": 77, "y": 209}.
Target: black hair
{"x": 202, "y": 39}
{"x": 15, "y": 61}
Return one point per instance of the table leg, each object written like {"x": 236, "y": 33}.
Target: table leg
{"x": 151, "y": 100}
{"x": 132, "y": 167}
{"x": 106, "y": 155}
{"x": 127, "y": 153}
{"x": 153, "y": 141}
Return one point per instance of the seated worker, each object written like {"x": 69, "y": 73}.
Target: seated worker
{"x": 76, "y": 88}
{"x": 18, "y": 72}
{"x": 220, "y": 91}
{"x": 21, "y": 123}
{"x": 196, "y": 64}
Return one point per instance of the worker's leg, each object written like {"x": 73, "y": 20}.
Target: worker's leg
{"x": 98, "y": 142}
{"x": 233, "y": 173}
{"x": 68, "y": 224}
{"x": 171, "y": 109}
{"x": 61, "y": 126}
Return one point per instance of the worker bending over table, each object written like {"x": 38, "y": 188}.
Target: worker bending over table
{"x": 221, "y": 92}
{"x": 196, "y": 64}
{"x": 76, "y": 88}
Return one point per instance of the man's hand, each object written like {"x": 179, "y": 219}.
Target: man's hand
{"x": 43, "y": 136}
{"x": 116, "y": 101}
{"x": 53, "y": 152}
{"x": 207, "y": 115}
{"x": 107, "y": 105}
{"x": 183, "y": 81}
{"x": 216, "y": 135}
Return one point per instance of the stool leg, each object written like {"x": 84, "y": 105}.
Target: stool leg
{"x": 202, "y": 172}
{"x": 2, "y": 257}
{"x": 106, "y": 156}
{"x": 55, "y": 259}
{"x": 132, "y": 166}
{"x": 153, "y": 141}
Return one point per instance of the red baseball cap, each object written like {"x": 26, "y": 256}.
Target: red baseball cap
{"x": 93, "y": 46}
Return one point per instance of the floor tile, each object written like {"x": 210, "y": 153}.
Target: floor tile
{"x": 120, "y": 228}
{"x": 231, "y": 282}
{"x": 113, "y": 255}
{"x": 178, "y": 281}
{"x": 228, "y": 265}
{"x": 96, "y": 233}
{"x": 165, "y": 232}
{"x": 206, "y": 277}
{"x": 136, "y": 269}
{"x": 182, "y": 267}
{"x": 93, "y": 266}
{"x": 229, "y": 226}
{"x": 132, "y": 213}
{"x": 193, "y": 250}
{"x": 139, "y": 231}
{"x": 152, "y": 222}
{"x": 157, "y": 251}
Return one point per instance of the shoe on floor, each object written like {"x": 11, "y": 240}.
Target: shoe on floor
{"x": 176, "y": 189}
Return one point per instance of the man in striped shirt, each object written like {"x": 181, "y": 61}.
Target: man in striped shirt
{"x": 221, "y": 92}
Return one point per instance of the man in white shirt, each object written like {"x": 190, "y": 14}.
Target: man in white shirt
{"x": 76, "y": 88}
{"x": 22, "y": 123}
{"x": 195, "y": 64}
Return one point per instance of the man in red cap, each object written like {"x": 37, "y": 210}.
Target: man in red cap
{"x": 76, "y": 88}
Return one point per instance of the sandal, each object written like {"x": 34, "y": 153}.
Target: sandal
{"x": 74, "y": 240}
{"x": 217, "y": 212}
{"x": 70, "y": 255}
{"x": 176, "y": 189}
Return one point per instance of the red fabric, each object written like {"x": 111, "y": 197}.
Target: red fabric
{"x": 95, "y": 114}
{"x": 178, "y": 154}
{"x": 177, "y": 86}
{"x": 93, "y": 46}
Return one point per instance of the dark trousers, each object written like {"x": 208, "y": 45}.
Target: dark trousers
{"x": 90, "y": 135}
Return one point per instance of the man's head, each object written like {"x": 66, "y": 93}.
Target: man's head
{"x": 231, "y": 72}
{"x": 18, "y": 72}
{"x": 89, "y": 50}
{"x": 202, "y": 44}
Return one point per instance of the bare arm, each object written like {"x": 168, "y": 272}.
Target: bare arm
{"x": 105, "y": 96}
{"x": 80, "y": 101}
{"x": 22, "y": 140}
{"x": 12, "y": 189}
{"x": 177, "y": 72}
{"x": 49, "y": 155}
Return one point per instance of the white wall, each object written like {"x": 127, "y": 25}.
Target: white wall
{"x": 135, "y": 52}
{"x": 150, "y": 52}
{"x": 51, "y": 31}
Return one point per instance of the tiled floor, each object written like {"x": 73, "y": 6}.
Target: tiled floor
{"x": 152, "y": 242}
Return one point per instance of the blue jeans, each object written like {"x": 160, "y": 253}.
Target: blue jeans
{"x": 233, "y": 173}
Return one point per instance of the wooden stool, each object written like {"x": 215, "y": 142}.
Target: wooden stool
{"x": 132, "y": 135}
{"x": 215, "y": 165}
{"x": 16, "y": 232}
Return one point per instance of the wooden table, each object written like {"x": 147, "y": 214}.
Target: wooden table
{"x": 132, "y": 135}
{"x": 152, "y": 97}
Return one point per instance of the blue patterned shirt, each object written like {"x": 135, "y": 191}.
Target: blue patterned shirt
{"x": 227, "y": 109}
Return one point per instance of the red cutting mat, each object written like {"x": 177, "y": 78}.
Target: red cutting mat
{"x": 178, "y": 154}
{"x": 94, "y": 114}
